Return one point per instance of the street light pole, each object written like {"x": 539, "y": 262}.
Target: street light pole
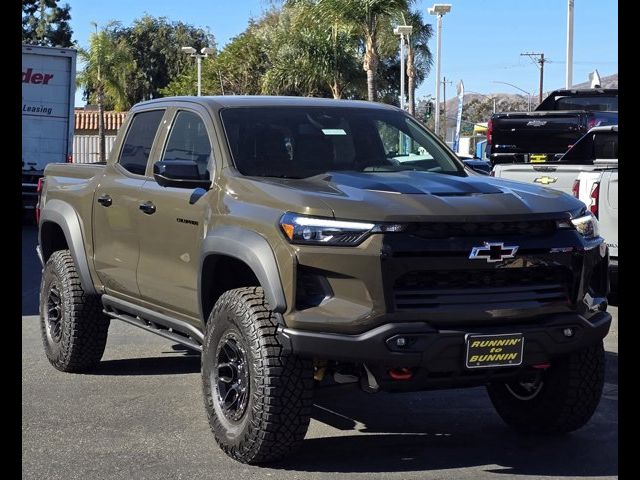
{"x": 438, "y": 9}
{"x": 204, "y": 53}
{"x": 517, "y": 88}
{"x": 199, "y": 59}
{"x": 402, "y": 30}
{"x": 402, "y": 71}
{"x": 569, "y": 66}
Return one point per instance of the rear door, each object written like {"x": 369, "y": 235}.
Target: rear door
{"x": 116, "y": 206}
{"x": 171, "y": 236}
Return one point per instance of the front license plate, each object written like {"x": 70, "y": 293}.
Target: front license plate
{"x": 538, "y": 157}
{"x": 494, "y": 350}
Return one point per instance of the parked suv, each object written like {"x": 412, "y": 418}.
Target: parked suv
{"x": 295, "y": 240}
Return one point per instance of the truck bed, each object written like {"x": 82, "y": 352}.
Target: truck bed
{"x": 558, "y": 176}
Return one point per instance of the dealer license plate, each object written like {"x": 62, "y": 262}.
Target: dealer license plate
{"x": 494, "y": 350}
{"x": 538, "y": 157}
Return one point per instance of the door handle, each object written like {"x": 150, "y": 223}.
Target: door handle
{"x": 147, "y": 207}
{"x": 105, "y": 200}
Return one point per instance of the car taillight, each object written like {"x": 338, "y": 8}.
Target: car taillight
{"x": 592, "y": 122}
{"x": 595, "y": 193}
{"x": 39, "y": 192}
{"x": 489, "y": 131}
{"x": 575, "y": 189}
{"x": 69, "y": 158}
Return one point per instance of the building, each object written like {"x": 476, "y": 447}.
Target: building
{"x": 85, "y": 139}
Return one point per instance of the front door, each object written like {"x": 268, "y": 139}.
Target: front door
{"x": 171, "y": 233}
{"x": 116, "y": 207}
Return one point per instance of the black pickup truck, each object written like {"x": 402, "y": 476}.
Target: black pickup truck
{"x": 549, "y": 131}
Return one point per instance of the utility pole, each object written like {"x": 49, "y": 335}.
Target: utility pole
{"x": 540, "y": 61}
{"x": 444, "y": 107}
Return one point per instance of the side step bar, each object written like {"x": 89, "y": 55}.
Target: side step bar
{"x": 154, "y": 322}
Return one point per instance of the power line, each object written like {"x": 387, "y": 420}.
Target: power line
{"x": 538, "y": 59}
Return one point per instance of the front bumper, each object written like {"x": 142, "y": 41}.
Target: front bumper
{"x": 436, "y": 356}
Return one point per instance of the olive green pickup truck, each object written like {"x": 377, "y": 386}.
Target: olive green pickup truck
{"x": 297, "y": 242}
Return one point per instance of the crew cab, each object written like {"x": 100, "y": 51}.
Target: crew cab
{"x": 298, "y": 241}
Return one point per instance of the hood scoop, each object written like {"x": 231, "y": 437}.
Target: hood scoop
{"x": 412, "y": 182}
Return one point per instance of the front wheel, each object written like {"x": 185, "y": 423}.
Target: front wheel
{"x": 257, "y": 396}
{"x": 559, "y": 400}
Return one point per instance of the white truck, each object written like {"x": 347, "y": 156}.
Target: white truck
{"x": 48, "y": 91}
{"x": 592, "y": 152}
{"x": 599, "y": 191}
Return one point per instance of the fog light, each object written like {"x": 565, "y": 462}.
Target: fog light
{"x": 568, "y": 332}
{"x": 401, "y": 341}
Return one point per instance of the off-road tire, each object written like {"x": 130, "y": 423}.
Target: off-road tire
{"x": 571, "y": 390}
{"x": 81, "y": 329}
{"x": 280, "y": 393}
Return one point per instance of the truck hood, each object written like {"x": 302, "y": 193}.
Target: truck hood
{"x": 415, "y": 196}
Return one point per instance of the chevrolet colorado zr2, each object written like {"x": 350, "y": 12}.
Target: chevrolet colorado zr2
{"x": 293, "y": 241}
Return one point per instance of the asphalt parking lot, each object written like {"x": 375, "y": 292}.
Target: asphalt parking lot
{"x": 140, "y": 415}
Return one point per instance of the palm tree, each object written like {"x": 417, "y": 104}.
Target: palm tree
{"x": 419, "y": 58}
{"x": 309, "y": 57}
{"x": 365, "y": 16}
{"x": 107, "y": 63}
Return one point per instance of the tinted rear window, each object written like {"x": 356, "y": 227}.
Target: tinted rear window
{"x": 599, "y": 103}
{"x": 593, "y": 146}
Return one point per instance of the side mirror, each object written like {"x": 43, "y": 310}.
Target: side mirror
{"x": 180, "y": 174}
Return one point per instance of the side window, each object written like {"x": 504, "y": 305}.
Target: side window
{"x": 137, "y": 144}
{"x": 188, "y": 140}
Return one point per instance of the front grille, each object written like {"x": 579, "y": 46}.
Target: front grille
{"x": 480, "y": 229}
{"x": 509, "y": 287}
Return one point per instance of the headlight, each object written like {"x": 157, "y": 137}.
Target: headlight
{"x": 325, "y": 231}
{"x": 587, "y": 226}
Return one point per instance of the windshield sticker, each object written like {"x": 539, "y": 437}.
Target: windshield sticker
{"x": 333, "y": 131}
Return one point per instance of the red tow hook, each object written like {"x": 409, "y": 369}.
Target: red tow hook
{"x": 542, "y": 366}
{"x": 401, "y": 373}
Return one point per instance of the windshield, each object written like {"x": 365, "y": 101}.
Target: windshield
{"x": 600, "y": 103}
{"x": 300, "y": 142}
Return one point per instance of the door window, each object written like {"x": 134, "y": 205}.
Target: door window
{"x": 137, "y": 144}
{"x": 189, "y": 141}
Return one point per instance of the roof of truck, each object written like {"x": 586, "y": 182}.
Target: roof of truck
{"x": 224, "y": 101}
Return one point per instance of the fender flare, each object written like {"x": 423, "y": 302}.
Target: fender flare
{"x": 62, "y": 214}
{"x": 252, "y": 249}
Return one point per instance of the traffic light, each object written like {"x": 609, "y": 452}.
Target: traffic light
{"x": 428, "y": 111}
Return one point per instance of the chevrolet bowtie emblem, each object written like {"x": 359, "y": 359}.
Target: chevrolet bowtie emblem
{"x": 546, "y": 180}
{"x": 493, "y": 252}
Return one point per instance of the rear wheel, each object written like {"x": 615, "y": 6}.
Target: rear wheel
{"x": 559, "y": 400}
{"x": 74, "y": 329}
{"x": 257, "y": 396}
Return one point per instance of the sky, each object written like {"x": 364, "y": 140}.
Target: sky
{"x": 481, "y": 39}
